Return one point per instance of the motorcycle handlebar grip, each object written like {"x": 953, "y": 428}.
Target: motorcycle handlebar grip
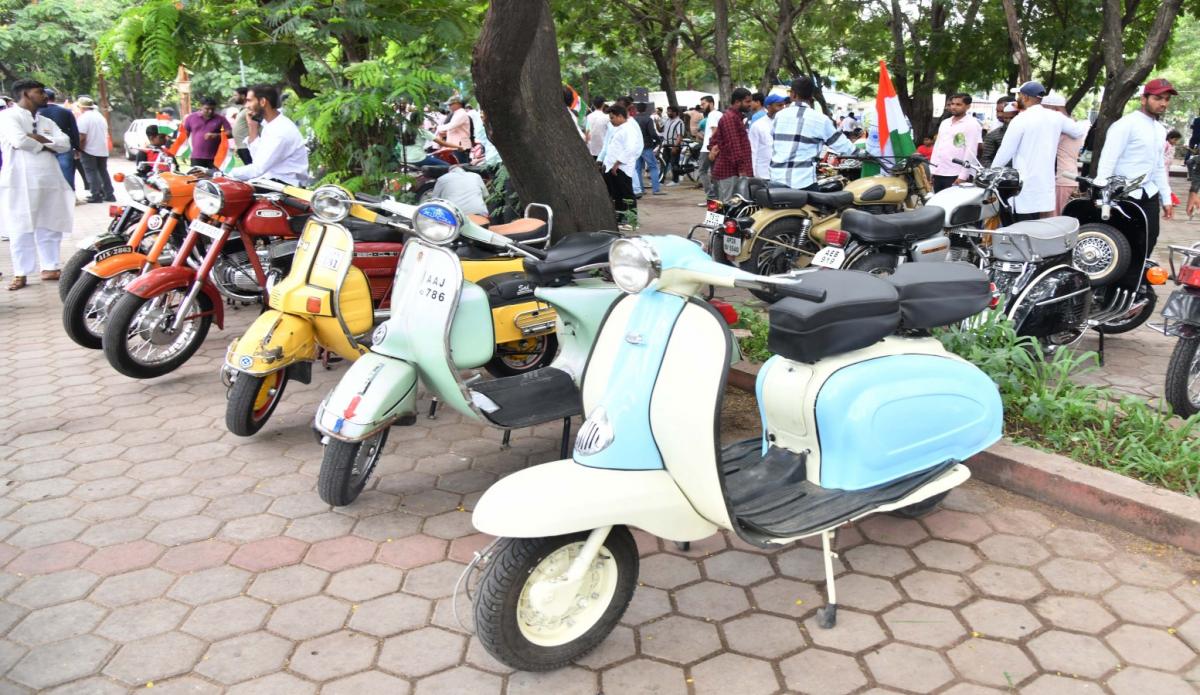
{"x": 960, "y": 162}
{"x": 785, "y": 289}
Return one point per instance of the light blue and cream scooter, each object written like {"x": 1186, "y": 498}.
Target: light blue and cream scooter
{"x": 862, "y": 411}
{"x": 442, "y": 324}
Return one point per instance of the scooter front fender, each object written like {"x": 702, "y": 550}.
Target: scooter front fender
{"x": 562, "y": 497}
{"x": 114, "y": 265}
{"x": 161, "y": 280}
{"x": 375, "y": 392}
{"x": 274, "y": 341}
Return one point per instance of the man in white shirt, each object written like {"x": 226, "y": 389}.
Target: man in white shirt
{"x": 760, "y": 137}
{"x": 276, "y": 147}
{"x": 597, "y": 126}
{"x": 621, "y": 153}
{"x": 1133, "y": 146}
{"x": 36, "y": 204}
{"x": 711, "y": 118}
{"x": 1031, "y": 144}
{"x": 465, "y": 189}
{"x": 93, "y": 140}
{"x": 958, "y": 138}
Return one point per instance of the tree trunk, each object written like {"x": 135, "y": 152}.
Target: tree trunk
{"x": 721, "y": 50}
{"x": 519, "y": 86}
{"x": 899, "y": 64}
{"x": 665, "y": 79}
{"x": 1017, "y": 40}
{"x": 295, "y": 73}
{"x": 783, "y": 30}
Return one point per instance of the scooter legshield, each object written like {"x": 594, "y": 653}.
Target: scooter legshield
{"x": 376, "y": 391}
{"x": 564, "y": 497}
{"x": 274, "y": 341}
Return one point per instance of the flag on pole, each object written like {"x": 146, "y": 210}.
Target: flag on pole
{"x": 895, "y": 136}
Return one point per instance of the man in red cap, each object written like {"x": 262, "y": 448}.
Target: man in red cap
{"x": 1134, "y": 146}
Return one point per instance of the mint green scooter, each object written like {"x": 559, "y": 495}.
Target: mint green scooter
{"x": 442, "y": 324}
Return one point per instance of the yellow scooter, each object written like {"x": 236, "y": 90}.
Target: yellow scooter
{"x": 339, "y": 286}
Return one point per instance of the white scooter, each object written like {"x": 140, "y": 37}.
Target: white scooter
{"x": 862, "y": 412}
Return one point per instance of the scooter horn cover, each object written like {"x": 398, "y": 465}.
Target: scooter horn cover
{"x": 859, "y": 310}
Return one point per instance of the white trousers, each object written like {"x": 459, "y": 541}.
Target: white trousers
{"x": 30, "y": 248}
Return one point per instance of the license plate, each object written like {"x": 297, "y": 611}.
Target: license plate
{"x": 714, "y": 219}
{"x": 733, "y": 245}
{"x": 109, "y": 253}
{"x": 829, "y": 257}
{"x": 206, "y": 229}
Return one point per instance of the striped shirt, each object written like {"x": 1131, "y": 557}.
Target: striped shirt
{"x": 798, "y": 134}
{"x": 672, "y": 132}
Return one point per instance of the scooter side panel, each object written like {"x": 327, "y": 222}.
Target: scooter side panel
{"x": 561, "y": 497}
{"x": 472, "y": 340}
{"x": 602, "y": 361}
{"x": 918, "y": 410}
{"x": 371, "y": 395}
{"x": 274, "y": 341}
{"x": 581, "y": 310}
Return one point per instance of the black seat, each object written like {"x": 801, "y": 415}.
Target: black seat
{"x": 788, "y": 198}
{"x": 921, "y": 223}
{"x": 432, "y": 171}
{"x": 367, "y": 232}
{"x": 576, "y": 251}
{"x": 939, "y": 294}
{"x": 859, "y": 310}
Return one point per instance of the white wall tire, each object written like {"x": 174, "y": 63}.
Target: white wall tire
{"x": 1102, "y": 252}
{"x": 517, "y": 634}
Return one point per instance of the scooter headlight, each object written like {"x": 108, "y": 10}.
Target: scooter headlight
{"x": 208, "y": 197}
{"x": 634, "y": 264}
{"x": 157, "y": 191}
{"x": 136, "y": 188}
{"x": 331, "y": 204}
{"x": 437, "y": 222}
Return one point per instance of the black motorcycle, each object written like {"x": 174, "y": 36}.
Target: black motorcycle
{"x": 1113, "y": 249}
{"x": 1181, "y": 319}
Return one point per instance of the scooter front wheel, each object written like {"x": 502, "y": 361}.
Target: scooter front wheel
{"x": 346, "y": 466}
{"x": 518, "y": 633}
{"x": 922, "y": 508}
{"x": 251, "y": 401}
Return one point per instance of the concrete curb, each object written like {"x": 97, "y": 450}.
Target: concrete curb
{"x": 1094, "y": 493}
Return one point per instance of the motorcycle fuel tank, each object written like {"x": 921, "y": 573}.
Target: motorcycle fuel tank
{"x": 879, "y": 190}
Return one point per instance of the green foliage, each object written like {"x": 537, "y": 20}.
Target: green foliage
{"x": 754, "y": 346}
{"x": 1045, "y": 406}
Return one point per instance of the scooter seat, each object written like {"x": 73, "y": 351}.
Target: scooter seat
{"x": 859, "y": 310}
{"x": 480, "y": 220}
{"x": 939, "y": 294}
{"x": 367, "y": 231}
{"x": 789, "y": 199}
{"x": 523, "y": 229}
{"x": 575, "y": 251}
{"x": 913, "y": 225}
{"x": 1049, "y": 236}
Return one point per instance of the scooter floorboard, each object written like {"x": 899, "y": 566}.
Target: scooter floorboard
{"x": 529, "y": 399}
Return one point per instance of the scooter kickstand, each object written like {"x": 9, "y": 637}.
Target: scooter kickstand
{"x": 565, "y": 449}
{"x": 827, "y": 614}
{"x": 504, "y": 444}
{"x": 433, "y": 406}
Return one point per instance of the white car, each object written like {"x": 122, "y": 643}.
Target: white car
{"x": 135, "y": 134}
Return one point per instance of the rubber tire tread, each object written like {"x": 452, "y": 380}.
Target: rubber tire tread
{"x": 1124, "y": 251}
{"x": 498, "y": 369}
{"x": 72, "y": 312}
{"x": 72, "y": 270}
{"x": 115, "y": 338}
{"x": 862, "y": 263}
{"x": 750, "y": 265}
{"x": 511, "y": 562}
{"x": 923, "y": 508}
{"x": 1176, "y": 390}
{"x": 337, "y": 460}
{"x": 239, "y": 407}
{"x": 1147, "y": 312}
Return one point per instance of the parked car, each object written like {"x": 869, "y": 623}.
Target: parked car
{"x": 135, "y": 135}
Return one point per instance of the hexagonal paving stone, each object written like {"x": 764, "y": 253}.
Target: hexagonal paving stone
{"x": 49, "y": 558}
{"x": 727, "y": 673}
{"x": 712, "y": 600}
{"x": 786, "y": 597}
{"x": 1140, "y": 570}
{"x": 1066, "y": 652}
{"x": 936, "y": 587}
{"x": 141, "y": 620}
{"x": 269, "y": 553}
{"x": 866, "y": 593}
{"x": 1007, "y": 582}
{"x": 644, "y": 676}
{"x": 1076, "y": 576}
{"x": 431, "y": 581}
{"x": 943, "y": 555}
{"x": 131, "y": 587}
{"x": 340, "y": 553}
{"x": 308, "y": 617}
{"x": 365, "y": 683}
{"x": 184, "y": 530}
{"x": 390, "y": 615}
{"x": 618, "y": 646}
{"x": 1074, "y": 613}
{"x": 419, "y": 653}
{"x": 1147, "y": 606}
{"x": 1155, "y": 648}
{"x": 1081, "y": 545}
{"x": 956, "y": 526}
{"x": 124, "y": 557}
{"x": 61, "y": 662}
{"x": 854, "y": 632}
{"x": 286, "y": 584}
{"x": 818, "y": 672}
{"x": 679, "y": 639}
{"x": 667, "y": 571}
{"x": 215, "y": 621}
{"x": 97, "y": 685}
{"x": 991, "y": 662}
{"x": 274, "y": 684}
{"x": 880, "y": 560}
{"x": 1013, "y": 550}
{"x": 737, "y": 567}
{"x": 413, "y": 551}
{"x": 1020, "y": 522}
{"x": 210, "y": 585}
{"x": 49, "y": 589}
{"x": 155, "y": 658}
{"x": 566, "y": 681}
{"x": 367, "y": 582}
{"x": 183, "y": 559}
{"x": 1140, "y": 681}
{"x": 647, "y": 604}
{"x": 764, "y": 636}
{"x": 891, "y": 530}
{"x": 913, "y": 668}
{"x": 56, "y": 623}
{"x": 925, "y": 625}
{"x": 807, "y": 564}
{"x": 1053, "y": 684}
{"x": 1000, "y": 619}
{"x": 244, "y": 657}
{"x": 333, "y": 656}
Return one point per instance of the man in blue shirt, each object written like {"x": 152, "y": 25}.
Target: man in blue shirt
{"x": 65, "y": 120}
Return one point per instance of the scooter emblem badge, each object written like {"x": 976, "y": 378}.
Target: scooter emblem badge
{"x": 246, "y": 362}
{"x": 635, "y": 339}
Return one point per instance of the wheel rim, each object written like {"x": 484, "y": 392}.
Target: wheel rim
{"x": 1193, "y": 381}
{"x": 775, "y": 259}
{"x": 268, "y": 393}
{"x": 522, "y": 354}
{"x": 1094, "y": 255}
{"x": 100, "y": 303}
{"x": 595, "y": 594}
{"x": 365, "y": 459}
{"x": 149, "y": 338}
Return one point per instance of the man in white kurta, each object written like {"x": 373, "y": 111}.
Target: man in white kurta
{"x": 1031, "y": 144}
{"x": 37, "y": 207}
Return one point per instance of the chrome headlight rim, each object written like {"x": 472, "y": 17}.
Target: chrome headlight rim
{"x": 209, "y": 198}
{"x": 157, "y": 191}
{"x": 437, "y": 222}
{"x": 634, "y": 264}
{"x": 136, "y": 188}
{"x": 331, "y": 204}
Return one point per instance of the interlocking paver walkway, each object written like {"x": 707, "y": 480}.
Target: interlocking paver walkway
{"x": 139, "y": 542}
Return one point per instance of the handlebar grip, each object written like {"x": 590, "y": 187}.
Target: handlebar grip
{"x": 961, "y": 162}
{"x": 795, "y": 289}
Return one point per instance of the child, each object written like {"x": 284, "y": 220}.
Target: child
{"x": 156, "y": 142}
{"x": 926, "y": 148}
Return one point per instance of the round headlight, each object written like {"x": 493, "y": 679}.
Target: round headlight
{"x": 157, "y": 191}
{"x": 437, "y": 222}
{"x": 331, "y": 204}
{"x": 136, "y": 188}
{"x": 634, "y": 264}
{"x": 208, "y": 197}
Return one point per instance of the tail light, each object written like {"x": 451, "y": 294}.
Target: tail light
{"x": 1158, "y": 276}
{"x": 119, "y": 177}
{"x": 731, "y": 227}
{"x": 836, "y": 237}
{"x": 313, "y": 305}
{"x": 995, "y": 300}
{"x": 714, "y": 206}
{"x": 114, "y": 210}
{"x": 726, "y": 310}
{"x": 1188, "y": 275}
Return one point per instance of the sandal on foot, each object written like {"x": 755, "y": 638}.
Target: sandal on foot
{"x": 17, "y": 283}
{"x": 51, "y": 275}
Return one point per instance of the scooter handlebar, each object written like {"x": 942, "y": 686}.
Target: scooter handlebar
{"x": 784, "y": 289}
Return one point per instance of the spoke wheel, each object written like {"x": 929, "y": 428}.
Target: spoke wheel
{"x": 1183, "y": 378}
{"x": 139, "y": 340}
{"x": 89, "y": 304}
{"x": 878, "y": 263}
{"x": 523, "y": 355}
{"x": 768, "y": 257}
{"x": 346, "y": 467}
{"x": 252, "y": 399}
{"x": 1102, "y": 252}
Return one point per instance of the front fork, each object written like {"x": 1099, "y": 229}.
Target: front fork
{"x": 555, "y": 595}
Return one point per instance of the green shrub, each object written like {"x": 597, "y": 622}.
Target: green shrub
{"x": 754, "y": 346}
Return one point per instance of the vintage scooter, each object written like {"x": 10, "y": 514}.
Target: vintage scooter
{"x": 445, "y": 327}
{"x": 854, "y": 364}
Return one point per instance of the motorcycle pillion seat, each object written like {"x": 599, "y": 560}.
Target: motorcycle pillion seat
{"x": 939, "y": 294}
{"x": 522, "y": 229}
{"x": 860, "y": 309}
{"x": 575, "y": 251}
{"x": 921, "y": 223}
{"x": 1047, "y": 237}
{"x": 364, "y": 232}
{"x": 788, "y": 198}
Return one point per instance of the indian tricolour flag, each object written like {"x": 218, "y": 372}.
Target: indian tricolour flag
{"x": 895, "y": 137}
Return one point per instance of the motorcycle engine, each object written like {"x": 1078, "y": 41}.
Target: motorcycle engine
{"x": 234, "y": 276}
